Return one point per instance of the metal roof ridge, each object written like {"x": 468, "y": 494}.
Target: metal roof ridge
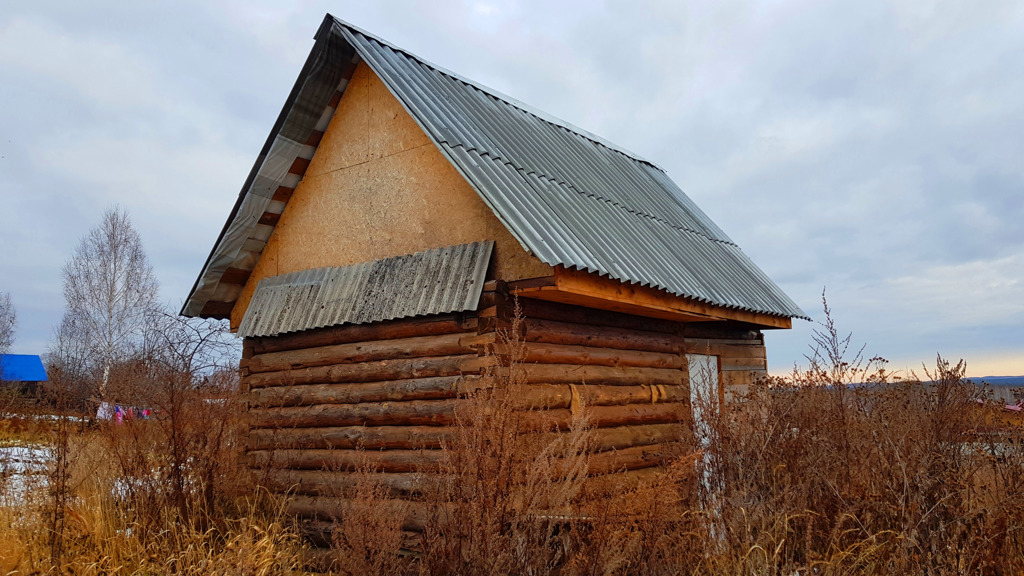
{"x": 514, "y": 102}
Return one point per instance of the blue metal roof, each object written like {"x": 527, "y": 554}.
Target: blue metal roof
{"x": 21, "y": 368}
{"x": 569, "y": 197}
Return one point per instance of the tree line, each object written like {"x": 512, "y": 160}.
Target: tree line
{"x": 114, "y": 331}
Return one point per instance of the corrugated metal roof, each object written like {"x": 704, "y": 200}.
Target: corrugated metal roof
{"x": 431, "y": 282}
{"x": 21, "y": 368}
{"x": 569, "y": 197}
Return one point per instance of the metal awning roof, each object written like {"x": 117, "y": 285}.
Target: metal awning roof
{"x": 431, "y": 282}
{"x": 569, "y": 197}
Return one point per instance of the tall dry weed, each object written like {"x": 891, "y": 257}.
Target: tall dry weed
{"x": 163, "y": 495}
{"x": 839, "y": 468}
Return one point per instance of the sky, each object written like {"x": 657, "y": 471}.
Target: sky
{"x": 870, "y": 150}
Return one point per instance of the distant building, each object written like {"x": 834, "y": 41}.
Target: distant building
{"x": 22, "y": 372}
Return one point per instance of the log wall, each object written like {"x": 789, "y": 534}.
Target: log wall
{"x": 380, "y": 395}
{"x": 325, "y": 403}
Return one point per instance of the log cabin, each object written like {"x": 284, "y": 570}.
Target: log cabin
{"x": 400, "y": 215}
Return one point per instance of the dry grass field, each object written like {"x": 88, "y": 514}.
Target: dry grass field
{"x": 801, "y": 475}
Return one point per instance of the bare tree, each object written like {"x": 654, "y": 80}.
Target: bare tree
{"x": 67, "y": 363}
{"x": 8, "y": 322}
{"x": 191, "y": 358}
{"x": 110, "y": 291}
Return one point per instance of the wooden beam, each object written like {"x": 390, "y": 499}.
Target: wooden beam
{"x": 557, "y": 294}
{"x": 593, "y": 291}
{"x": 269, "y": 219}
{"x": 299, "y": 166}
{"x": 236, "y": 276}
{"x": 215, "y": 309}
{"x": 544, "y": 281}
{"x": 314, "y": 138}
{"x": 376, "y": 371}
{"x": 555, "y": 332}
{"x": 416, "y": 347}
{"x": 282, "y": 194}
{"x": 388, "y": 391}
{"x": 411, "y": 413}
{"x": 347, "y": 75}
{"x": 387, "y": 330}
{"x": 541, "y": 309}
{"x": 365, "y": 437}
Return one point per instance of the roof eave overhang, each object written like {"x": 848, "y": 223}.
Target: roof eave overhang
{"x": 241, "y": 224}
{"x": 590, "y": 290}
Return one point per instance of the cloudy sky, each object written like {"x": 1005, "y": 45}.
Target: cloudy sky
{"x": 872, "y": 149}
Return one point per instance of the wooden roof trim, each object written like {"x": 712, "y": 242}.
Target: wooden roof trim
{"x": 216, "y": 309}
{"x": 570, "y": 286}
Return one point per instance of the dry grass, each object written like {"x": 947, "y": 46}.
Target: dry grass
{"x": 168, "y": 495}
{"x": 110, "y": 529}
{"x": 841, "y": 468}
{"x": 817, "y": 476}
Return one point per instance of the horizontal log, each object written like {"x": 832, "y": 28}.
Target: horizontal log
{"x": 633, "y": 458}
{"x": 413, "y": 413}
{"x": 614, "y": 438}
{"x": 555, "y": 332}
{"x": 415, "y": 515}
{"x": 607, "y": 416}
{"x": 363, "y": 372}
{"x": 735, "y": 378}
{"x": 319, "y": 511}
{"x": 416, "y": 437}
{"x": 344, "y": 484}
{"x": 620, "y": 437}
{"x": 611, "y": 375}
{"x": 319, "y": 482}
{"x": 387, "y": 391}
{"x": 754, "y": 349}
{"x": 737, "y": 392}
{"x": 743, "y": 363}
{"x": 720, "y": 330}
{"x": 416, "y": 347}
{"x": 322, "y": 559}
{"x": 573, "y": 373}
{"x": 598, "y": 486}
{"x": 366, "y": 437}
{"x": 544, "y": 310}
{"x": 387, "y": 330}
{"x": 548, "y": 396}
{"x": 546, "y": 353}
{"x": 335, "y": 459}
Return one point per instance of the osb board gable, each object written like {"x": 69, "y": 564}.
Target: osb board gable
{"x": 378, "y": 187}
{"x": 369, "y": 124}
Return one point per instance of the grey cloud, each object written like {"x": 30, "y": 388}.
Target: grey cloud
{"x": 869, "y": 147}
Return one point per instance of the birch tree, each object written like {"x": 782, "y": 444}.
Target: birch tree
{"x": 110, "y": 291}
{"x": 8, "y": 322}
